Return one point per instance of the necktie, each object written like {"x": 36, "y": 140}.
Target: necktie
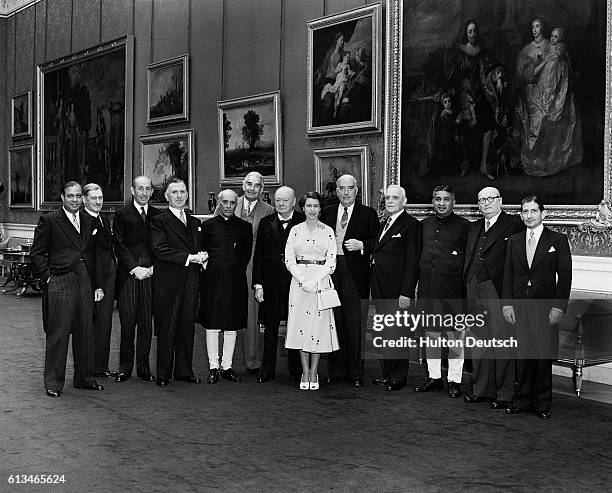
{"x": 387, "y": 224}
{"x": 100, "y": 219}
{"x": 76, "y": 223}
{"x": 531, "y": 244}
{"x": 182, "y": 217}
{"x": 344, "y": 218}
{"x": 143, "y": 214}
{"x": 284, "y": 222}
{"x": 245, "y": 211}
{"x": 487, "y": 225}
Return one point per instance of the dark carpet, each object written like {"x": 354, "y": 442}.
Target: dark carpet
{"x": 245, "y": 436}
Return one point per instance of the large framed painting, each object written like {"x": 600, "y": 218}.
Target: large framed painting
{"x": 168, "y": 90}
{"x": 514, "y": 95}
{"x": 344, "y": 72}
{"x": 330, "y": 164}
{"x": 21, "y": 173}
{"x": 165, "y": 156}
{"x": 250, "y": 138}
{"x": 21, "y": 115}
{"x": 85, "y": 121}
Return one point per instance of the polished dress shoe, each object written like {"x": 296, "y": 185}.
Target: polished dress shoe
{"x": 474, "y": 399}
{"x": 213, "y": 376}
{"x": 513, "y": 410}
{"x": 395, "y": 385}
{"x": 122, "y": 377}
{"x": 95, "y": 386}
{"x": 53, "y": 393}
{"x": 331, "y": 379}
{"x": 543, "y": 414}
{"x": 454, "y": 390}
{"x": 162, "y": 382}
{"x": 430, "y": 385}
{"x": 190, "y": 379}
{"x": 384, "y": 381}
{"x": 106, "y": 374}
{"x": 500, "y": 404}
{"x": 262, "y": 377}
{"x": 147, "y": 378}
{"x": 357, "y": 382}
{"x": 230, "y": 375}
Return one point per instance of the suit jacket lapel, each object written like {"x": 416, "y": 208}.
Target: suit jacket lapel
{"x": 68, "y": 228}
{"x": 521, "y": 249}
{"x": 497, "y": 230}
{"x": 178, "y": 227}
{"x": 277, "y": 228}
{"x": 394, "y": 229}
{"x": 88, "y": 225}
{"x": 542, "y": 248}
{"x": 138, "y": 222}
{"x": 353, "y": 221}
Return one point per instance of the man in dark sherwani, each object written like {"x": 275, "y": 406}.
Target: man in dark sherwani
{"x": 228, "y": 241}
{"x": 441, "y": 286}
{"x": 271, "y": 279}
{"x": 67, "y": 257}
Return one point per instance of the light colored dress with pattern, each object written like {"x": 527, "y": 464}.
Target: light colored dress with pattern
{"x": 309, "y": 328}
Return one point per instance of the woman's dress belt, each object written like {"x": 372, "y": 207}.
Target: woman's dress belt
{"x": 304, "y": 261}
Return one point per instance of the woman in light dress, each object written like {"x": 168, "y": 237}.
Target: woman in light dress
{"x": 310, "y": 257}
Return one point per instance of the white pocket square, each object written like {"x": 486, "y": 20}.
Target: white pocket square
{"x": 398, "y": 235}
{"x": 552, "y": 249}
{"x": 94, "y": 232}
{"x": 199, "y": 228}
{"x": 454, "y": 252}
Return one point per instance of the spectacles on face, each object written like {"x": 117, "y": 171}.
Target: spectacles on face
{"x": 487, "y": 200}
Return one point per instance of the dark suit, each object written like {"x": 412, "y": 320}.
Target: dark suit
{"x": 68, "y": 263}
{"x": 395, "y": 272}
{"x": 132, "y": 241}
{"x": 270, "y": 272}
{"x": 175, "y": 292}
{"x": 549, "y": 280}
{"x": 485, "y": 256}
{"x": 103, "y": 310}
{"x": 352, "y": 281}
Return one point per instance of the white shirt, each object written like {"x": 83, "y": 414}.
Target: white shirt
{"x": 537, "y": 232}
{"x": 493, "y": 220}
{"x": 392, "y": 220}
{"x": 139, "y": 207}
{"x": 247, "y": 206}
{"x": 177, "y": 213}
{"x": 71, "y": 217}
{"x": 349, "y": 211}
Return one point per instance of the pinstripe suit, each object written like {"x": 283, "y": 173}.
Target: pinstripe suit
{"x": 133, "y": 248}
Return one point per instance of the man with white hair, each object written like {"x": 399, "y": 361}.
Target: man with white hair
{"x": 485, "y": 255}
{"x": 271, "y": 279}
{"x": 227, "y": 240}
{"x": 251, "y": 208}
{"x": 395, "y": 272}
{"x": 355, "y": 226}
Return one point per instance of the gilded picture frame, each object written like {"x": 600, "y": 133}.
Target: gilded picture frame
{"x": 22, "y": 189}
{"x": 332, "y": 163}
{"x": 168, "y": 155}
{"x": 168, "y": 90}
{"x": 344, "y": 72}
{"x": 85, "y": 122}
{"x": 250, "y": 138}
{"x": 21, "y": 115}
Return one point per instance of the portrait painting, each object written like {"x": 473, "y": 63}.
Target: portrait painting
{"x": 85, "y": 109}
{"x": 21, "y": 172}
{"x": 21, "y": 114}
{"x": 168, "y": 90}
{"x": 250, "y": 138}
{"x": 331, "y": 164}
{"x": 505, "y": 94}
{"x": 165, "y": 156}
{"x": 344, "y": 72}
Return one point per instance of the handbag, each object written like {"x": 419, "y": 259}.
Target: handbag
{"x": 327, "y": 298}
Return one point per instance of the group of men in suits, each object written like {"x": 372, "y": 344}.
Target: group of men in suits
{"x": 163, "y": 265}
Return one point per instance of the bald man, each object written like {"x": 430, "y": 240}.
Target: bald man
{"x": 485, "y": 255}
{"x": 271, "y": 279}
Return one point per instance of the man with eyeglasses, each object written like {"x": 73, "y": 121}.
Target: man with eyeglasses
{"x": 355, "y": 226}
{"x": 485, "y": 255}
{"x": 132, "y": 241}
{"x": 68, "y": 258}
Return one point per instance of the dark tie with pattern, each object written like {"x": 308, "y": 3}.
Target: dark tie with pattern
{"x": 143, "y": 214}
{"x": 344, "y": 219}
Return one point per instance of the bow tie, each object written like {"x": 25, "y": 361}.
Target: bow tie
{"x": 285, "y": 221}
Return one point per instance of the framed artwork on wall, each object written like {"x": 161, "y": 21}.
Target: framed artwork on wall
{"x": 21, "y": 115}
{"x": 85, "y": 121}
{"x": 164, "y": 156}
{"x": 168, "y": 90}
{"x": 507, "y": 95}
{"x": 250, "y": 138}
{"x": 21, "y": 173}
{"x": 344, "y": 72}
{"x": 331, "y": 164}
